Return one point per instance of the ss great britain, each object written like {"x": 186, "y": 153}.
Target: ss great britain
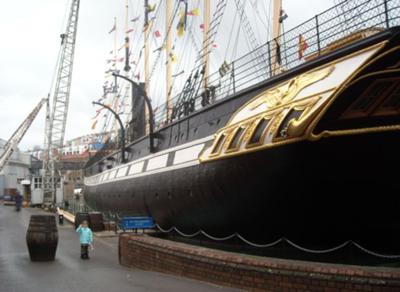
{"x": 300, "y": 141}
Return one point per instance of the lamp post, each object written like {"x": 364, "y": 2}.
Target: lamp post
{"x": 148, "y": 104}
{"x": 120, "y": 125}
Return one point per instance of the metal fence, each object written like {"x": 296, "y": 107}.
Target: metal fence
{"x": 335, "y": 23}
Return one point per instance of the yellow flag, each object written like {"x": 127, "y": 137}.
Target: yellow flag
{"x": 194, "y": 12}
{"x": 173, "y": 57}
{"x": 181, "y": 23}
{"x": 151, "y": 8}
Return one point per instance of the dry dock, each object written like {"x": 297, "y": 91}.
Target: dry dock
{"x": 68, "y": 273}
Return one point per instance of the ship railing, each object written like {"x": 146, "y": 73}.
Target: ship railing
{"x": 318, "y": 33}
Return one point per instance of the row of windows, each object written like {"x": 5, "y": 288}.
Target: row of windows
{"x": 132, "y": 169}
{"x": 381, "y": 98}
{"x": 257, "y": 133}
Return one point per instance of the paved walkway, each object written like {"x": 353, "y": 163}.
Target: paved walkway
{"x": 68, "y": 272}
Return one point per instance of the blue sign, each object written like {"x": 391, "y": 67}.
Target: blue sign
{"x": 137, "y": 222}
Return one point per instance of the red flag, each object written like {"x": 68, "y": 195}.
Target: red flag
{"x": 137, "y": 76}
{"x": 157, "y": 34}
{"x": 202, "y": 26}
{"x": 214, "y": 45}
{"x": 303, "y": 46}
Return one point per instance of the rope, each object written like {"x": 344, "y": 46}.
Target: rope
{"x": 218, "y": 238}
{"x": 280, "y": 240}
{"x": 187, "y": 235}
{"x": 379, "y": 255}
{"x": 315, "y": 250}
{"x": 260, "y": 245}
{"x": 164, "y": 230}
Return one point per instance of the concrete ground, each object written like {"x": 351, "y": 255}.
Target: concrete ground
{"x": 68, "y": 272}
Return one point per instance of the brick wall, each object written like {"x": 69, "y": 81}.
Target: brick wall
{"x": 250, "y": 272}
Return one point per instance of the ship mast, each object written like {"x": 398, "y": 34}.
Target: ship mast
{"x": 206, "y": 45}
{"x": 276, "y": 27}
{"x": 168, "y": 47}
{"x": 127, "y": 68}
{"x": 147, "y": 30}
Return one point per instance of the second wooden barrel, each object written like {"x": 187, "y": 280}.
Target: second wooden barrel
{"x": 42, "y": 238}
{"x": 96, "y": 221}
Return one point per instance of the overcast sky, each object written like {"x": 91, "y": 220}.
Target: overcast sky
{"x": 29, "y": 45}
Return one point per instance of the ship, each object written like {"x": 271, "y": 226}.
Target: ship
{"x": 308, "y": 154}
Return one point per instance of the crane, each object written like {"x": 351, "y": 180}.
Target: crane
{"x": 17, "y": 136}
{"x": 57, "y": 117}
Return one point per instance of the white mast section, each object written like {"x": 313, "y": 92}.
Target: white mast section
{"x": 276, "y": 31}
{"x": 168, "y": 47}
{"x": 206, "y": 44}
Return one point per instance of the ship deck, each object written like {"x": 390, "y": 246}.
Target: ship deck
{"x": 68, "y": 273}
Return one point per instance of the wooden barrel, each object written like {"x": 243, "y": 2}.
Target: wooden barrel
{"x": 81, "y": 216}
{"x": 96, "y": 221}
{"x": 42, "y": 238}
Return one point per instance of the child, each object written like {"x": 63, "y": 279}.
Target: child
{"x": 86, "y": 238}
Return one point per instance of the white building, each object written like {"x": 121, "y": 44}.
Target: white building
{"x": 16, "y": 170}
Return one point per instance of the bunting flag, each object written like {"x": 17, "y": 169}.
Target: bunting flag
{"x": 94, "y": 125}
{"x": 202, "y": 27}
{"x": 135, "y": 18}
{"x": 282, "y": 16}
{"x": 224, "y": 68}
{"x": 303, "y": 46}
{"x": 214, "y": 45}
{"x": 157, "y": 33}
{"x": 113, "y": 28}
{"x": 129, "y": 30}
{"x": 151, "y": 8}
{"x": 137, "y": 76}
{"x": 173, "y": 57}
{"x": 181, "y": 24}
{"x": 194, "y": 12}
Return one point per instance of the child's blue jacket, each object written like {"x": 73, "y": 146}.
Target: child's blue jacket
{"x": 85, "y": 235}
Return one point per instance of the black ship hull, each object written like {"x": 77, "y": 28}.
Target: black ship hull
{"x": 315, "y": 193}
{"x": 311, "y": 159}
